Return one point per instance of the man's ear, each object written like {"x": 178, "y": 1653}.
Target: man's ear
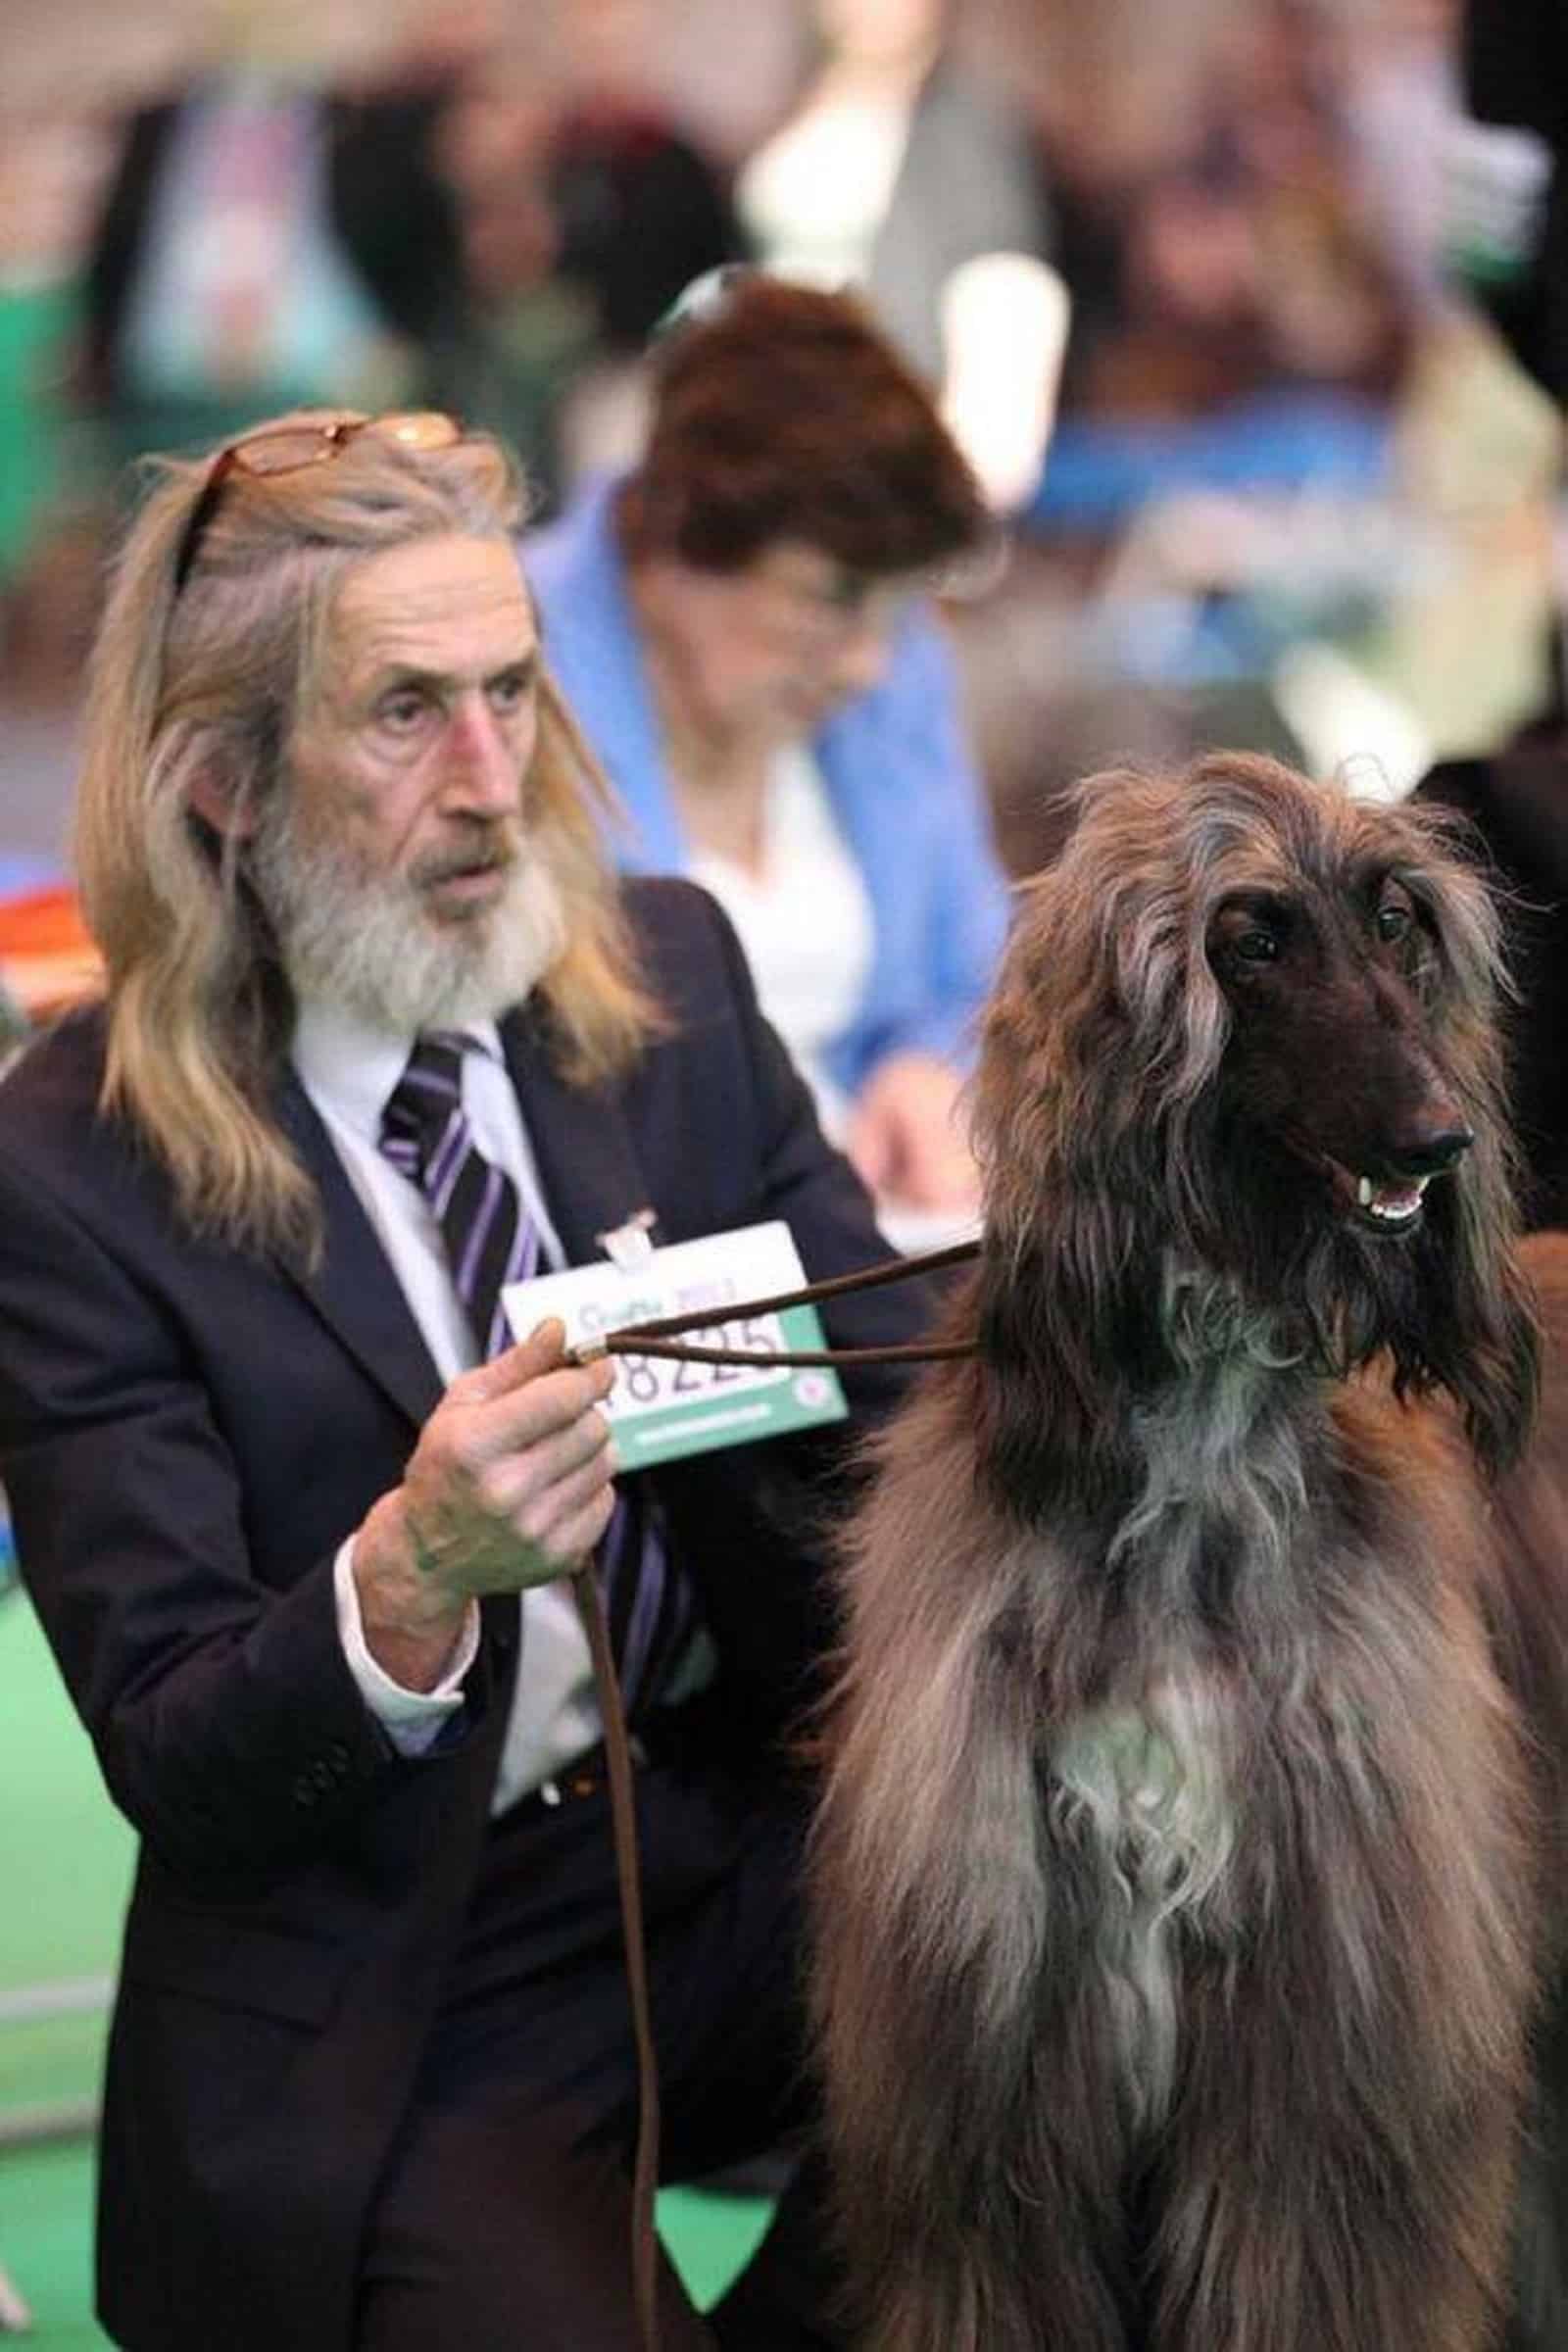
{"x": 214, "y": 799}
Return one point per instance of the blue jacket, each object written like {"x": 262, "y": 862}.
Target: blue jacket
{"x": 898, "y": 773}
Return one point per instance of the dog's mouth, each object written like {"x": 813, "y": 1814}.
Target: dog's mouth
{"x": 1391, "y": 1207}
{"x": 1379, "y": 1205}
{"x": 1374, "y": 1203}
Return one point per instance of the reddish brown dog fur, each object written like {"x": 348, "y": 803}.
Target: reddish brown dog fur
{"x": 1187, "y": 1881}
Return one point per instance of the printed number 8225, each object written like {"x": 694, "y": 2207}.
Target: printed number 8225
{"x": 644, "y": 1381}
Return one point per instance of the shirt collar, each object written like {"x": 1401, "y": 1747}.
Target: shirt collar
{"x": 350, "y": 1067}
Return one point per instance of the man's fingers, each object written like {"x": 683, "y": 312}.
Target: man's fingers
{"x": 529, "y": 1416}
{"x": 519, "y": 1399}
{"x": 541, "y": 1351}
{"x": 541, "y": 1516}
{"x": 560, "y": 1542}
{"x": 507, "y": 1482}
{"x": 576, "y": 1538}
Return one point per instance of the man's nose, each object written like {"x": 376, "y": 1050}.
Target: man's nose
{"x": 481, "y": 768}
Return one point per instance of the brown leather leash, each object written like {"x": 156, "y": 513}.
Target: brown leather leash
{"x": 653, "y": 1339}
{"x": 629, "y": 1878}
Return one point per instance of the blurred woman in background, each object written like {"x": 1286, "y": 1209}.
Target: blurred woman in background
{"x": 742, "y": 625}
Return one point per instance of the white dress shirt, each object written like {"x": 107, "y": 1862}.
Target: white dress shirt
{"x": 349, "y": 1071}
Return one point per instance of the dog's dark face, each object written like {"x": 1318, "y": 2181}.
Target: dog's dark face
{"x": 1332, "y": 1076}
{"x": 1247, "y": 1025}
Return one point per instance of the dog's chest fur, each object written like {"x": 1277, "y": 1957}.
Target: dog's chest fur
{"x": 1143, "y": 1794}
{"x": 1155, "y": 1791}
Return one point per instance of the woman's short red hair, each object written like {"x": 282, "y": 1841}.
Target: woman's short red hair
{"x": 781, "y": 412}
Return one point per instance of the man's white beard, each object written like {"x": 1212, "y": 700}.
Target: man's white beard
{"x": 368, "y": 944}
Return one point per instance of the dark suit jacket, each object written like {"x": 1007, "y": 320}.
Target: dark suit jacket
{"x": 186, "y": 1435}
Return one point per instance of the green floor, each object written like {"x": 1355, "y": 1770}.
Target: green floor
{"x": 65, "y": 1863}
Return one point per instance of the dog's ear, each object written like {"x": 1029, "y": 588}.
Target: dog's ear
{"x": 1474, "y": 1331}
{"x": 1062, "y": 1321}
{"x": 1103, "y": 1037}
{"x": 1100, "y": 1042}
{"x": 1484, "y": 1344}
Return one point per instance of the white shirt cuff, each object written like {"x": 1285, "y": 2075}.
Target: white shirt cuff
{"x": 411, "y": 1719}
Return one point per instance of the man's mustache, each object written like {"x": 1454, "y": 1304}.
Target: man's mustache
{"x": 496, "y": 853}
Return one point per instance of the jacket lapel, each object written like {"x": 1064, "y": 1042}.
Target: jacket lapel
{"x": 588, "y": 1166}
{"x": 354, "y": 1289}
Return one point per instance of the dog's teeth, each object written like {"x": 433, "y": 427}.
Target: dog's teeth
{"x": 1421, "y": 1184}
{"x": 1363, "y": 1191}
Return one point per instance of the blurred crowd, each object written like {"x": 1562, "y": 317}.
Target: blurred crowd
{"x": 1183, "y": 273}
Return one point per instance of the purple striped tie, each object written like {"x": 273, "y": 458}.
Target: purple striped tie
{"x": 426, "y": 1135}
{"x": 491, "y": 1241}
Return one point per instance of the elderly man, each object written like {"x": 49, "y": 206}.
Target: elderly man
{"x": 379, "y": 1038}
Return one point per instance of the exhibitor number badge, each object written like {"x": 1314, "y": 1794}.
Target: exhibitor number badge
{"x": 663, "y": 1410}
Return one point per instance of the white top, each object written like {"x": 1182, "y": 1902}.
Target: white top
{"x": 805, "y": 920}
{"x": 815, "y": 195}
{"x": 349, "y": 1071}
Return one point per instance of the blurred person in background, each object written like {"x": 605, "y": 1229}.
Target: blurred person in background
{"x": 1215, "y": 245}
{"x": 742, "y": 628}
{"x": 272, "y": 236}
{"x": 587, "y": 206}
{"x": 905, "y": 168}
{"x": 380, "y": 1033}
{"x": 644, "y": 207}
{"x": 1401, "y": 100}
{"x": 1509, "y": 248}
{"x": 1218, "y": 484}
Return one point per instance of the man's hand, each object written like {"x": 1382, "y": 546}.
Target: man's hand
{"x": 905, "y": 1139}
{"x": 507, "y": 1486}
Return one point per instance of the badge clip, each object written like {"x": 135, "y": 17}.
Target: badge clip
{"x": 630, "y": 1246}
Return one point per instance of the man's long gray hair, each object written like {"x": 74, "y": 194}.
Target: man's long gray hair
{"x": 206, "y": 683}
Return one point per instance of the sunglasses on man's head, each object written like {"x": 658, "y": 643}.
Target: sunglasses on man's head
{"x": 275, "y": 449}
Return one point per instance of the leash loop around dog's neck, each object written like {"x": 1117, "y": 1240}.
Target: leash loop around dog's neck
{"x": 652, "y": 1337}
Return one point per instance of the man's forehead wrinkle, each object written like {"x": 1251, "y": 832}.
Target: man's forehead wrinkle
{"x": 425, "y": 635}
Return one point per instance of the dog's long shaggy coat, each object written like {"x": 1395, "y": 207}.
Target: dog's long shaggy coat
{"x": 1188, "y": 1881}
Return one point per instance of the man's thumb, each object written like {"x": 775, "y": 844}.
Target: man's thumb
{"x": 543, "y": 1351}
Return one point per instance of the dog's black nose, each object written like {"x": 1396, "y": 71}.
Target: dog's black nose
{"x": 1431, "y": 1155}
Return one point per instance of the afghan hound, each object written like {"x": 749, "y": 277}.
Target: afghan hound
{"x": 1188, "y": 1881}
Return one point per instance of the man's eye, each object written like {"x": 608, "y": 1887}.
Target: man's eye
{"x": 402, "y": 711}
{"x": 512, "y": 692}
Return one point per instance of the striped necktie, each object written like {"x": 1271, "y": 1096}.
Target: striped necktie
{"x": 425, "y": 1134}
{"x": 490, "y": 1240}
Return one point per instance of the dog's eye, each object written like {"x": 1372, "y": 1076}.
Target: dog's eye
{"x": 1255, "y": 946}
{"x": 1394, "y": 921}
